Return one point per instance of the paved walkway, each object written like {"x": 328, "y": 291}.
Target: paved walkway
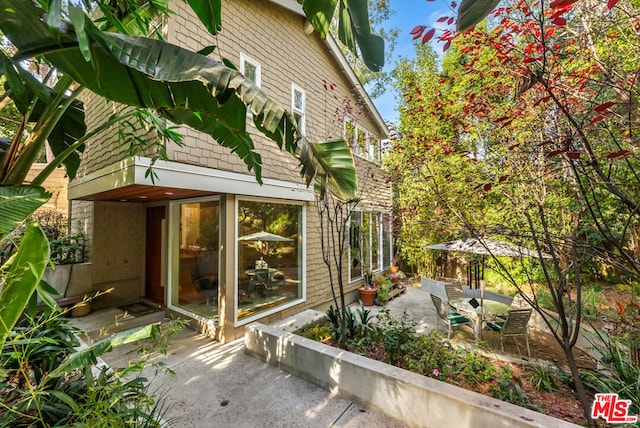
{"x": 218, "y": 385}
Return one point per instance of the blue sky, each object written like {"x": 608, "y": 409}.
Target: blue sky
{"x": 408, "y": 14}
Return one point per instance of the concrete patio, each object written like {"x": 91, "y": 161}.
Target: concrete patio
{"x": 222, "y": 383}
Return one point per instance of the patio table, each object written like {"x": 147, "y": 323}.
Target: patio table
{"x": 486, "y": 310}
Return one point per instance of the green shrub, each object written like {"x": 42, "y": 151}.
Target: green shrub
{"x": 543, "y": 377}
{"x": 47, "y": 382}
{"x": 509, "y": 389}
{"x": 622, "y": 375}
{"x": 318, "y": 333}
{"x": 474, "y": 368}
{"x": 396, "y": 334}
{"x": 430, "y": 355}
{"x": 66, "y": 247}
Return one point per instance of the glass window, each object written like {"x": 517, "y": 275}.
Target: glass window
{"x": 350, "y": 133}
{"x": 375, "y": 242}
{"x": 369, "y": 243}
{"x": 355, "y": 246}
{"x": 269, "y": 246}
{"x": 298, "y": 107}
{"x": 252, "y": 70}
{"x": 373, "y": 148}
{"x": 386, "y": 240}
{"x": 198, "y": 263}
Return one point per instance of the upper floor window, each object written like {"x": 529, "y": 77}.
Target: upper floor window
{"x": 298, "y": 107}
{"x": 364, "y": 144}
{"x": 251, "y": 70}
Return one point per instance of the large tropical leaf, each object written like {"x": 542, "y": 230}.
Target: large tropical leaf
{"x": 473, "y": 11}
{"x": 89, "y": 356}
{"x": 353, "y": 27}
{"x": 181, "y": 85}
{"x": 209, "y": 12}
{"x": 17, "y": 203}
{"x": 331, "y": 163}
{"x": 21, "y": 274}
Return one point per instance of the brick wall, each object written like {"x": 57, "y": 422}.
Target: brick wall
{"x": 56, "y": 183}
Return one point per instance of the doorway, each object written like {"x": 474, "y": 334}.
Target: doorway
{"x": 155, "y": 220}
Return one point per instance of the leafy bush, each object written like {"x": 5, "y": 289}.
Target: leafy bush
{"x": 543, "y": 377}
{"x": 395, "y": 334}
{"x": 66, "y": 248}
{"x": 474, "y": 368}
{"x": 430, "y": 355}
{"x": 318, "y": 333}
{"x": 45, "y": 381}
{"x": 622, "y": 375}
{"x": 508, "y": 388}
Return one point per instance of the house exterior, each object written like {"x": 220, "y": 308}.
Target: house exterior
{"x": 204, "y": 238}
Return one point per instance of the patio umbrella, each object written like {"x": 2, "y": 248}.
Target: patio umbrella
{"x": 264, "y": 236}
{"x": 485, "y": 246}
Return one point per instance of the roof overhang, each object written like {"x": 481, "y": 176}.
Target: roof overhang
{"x": 335, "y": 51}
{"x": 129, "y": 180}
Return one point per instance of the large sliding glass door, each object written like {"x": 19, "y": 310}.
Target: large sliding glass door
{"x": 198, "y": 245}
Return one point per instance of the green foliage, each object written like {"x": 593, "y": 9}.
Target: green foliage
{"x": 476, "y": 369}
{"x": 357, "y": 324}
{"x": 543, "y": 377}
{"x": 509, "y": 389}
{"x": 384, "y": 286}
{"x": 318, "y": 333}
{"x": 622, "y": 375}
{"x": 431, "y": 355}
{"x": 396, "y": 334}
{"x": 20, "y": 276}
{"x": 65, "y": 247}
{"x": 48, "y": 382}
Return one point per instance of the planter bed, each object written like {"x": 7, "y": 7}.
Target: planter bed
{"x": 415, "y": 400}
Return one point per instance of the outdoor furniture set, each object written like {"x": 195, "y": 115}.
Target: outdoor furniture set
{"x": 509, "y": 321}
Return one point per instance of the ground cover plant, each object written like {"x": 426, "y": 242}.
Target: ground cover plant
{"x": 547, "y": 388}
{"x": 46, "y": 381}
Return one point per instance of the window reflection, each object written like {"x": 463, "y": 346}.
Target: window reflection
{"x": 269, "y": 255}
{"x": 198, "y": 265}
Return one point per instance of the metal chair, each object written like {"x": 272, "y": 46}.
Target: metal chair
{"x": 204, "y": 285}
{"x": 453, "y": 291}
{"x": 452, "y": 319}
{"x": 260, "y": 279}
{"x": 516, "y": 324}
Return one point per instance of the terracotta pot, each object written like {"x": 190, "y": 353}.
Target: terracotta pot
{"x": 393, "y": 273}
{"x": 367, "y": 296}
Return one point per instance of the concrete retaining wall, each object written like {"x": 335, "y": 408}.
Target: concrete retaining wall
{"x": 416, "y": 401}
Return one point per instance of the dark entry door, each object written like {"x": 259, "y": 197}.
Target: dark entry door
{"x": 153, "y": 265}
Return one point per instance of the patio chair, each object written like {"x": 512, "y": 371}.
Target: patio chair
{"x": 260, "y": 280}
{"x": 516, "y": 324}
{"x": 452, "y": 319}
{"x": 454, "y": 291}
{"x": 205, "y": 286}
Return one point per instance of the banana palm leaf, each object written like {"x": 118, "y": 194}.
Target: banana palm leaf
{"x": 17, "y": 203}
{"x": 89, "y": 356}
{"x": 22, "y": 273}
{"x": 71, "y": 126}
{"x": 473, "y": 11}
{"x": 353, "y": 27}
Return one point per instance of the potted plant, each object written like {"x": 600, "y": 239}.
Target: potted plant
{"x": 384, "y": 286}
{"x": 368, "y": 290}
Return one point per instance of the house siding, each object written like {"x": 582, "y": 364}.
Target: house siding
{"x": 274, "y": 37}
